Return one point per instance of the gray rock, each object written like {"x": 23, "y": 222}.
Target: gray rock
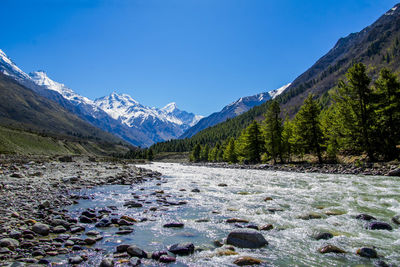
{"x": 134, "y": 261}
{"x": 75, "y": 260}
{"x": 107, "y": 262}
{"x": 395, "y": 172}
{"x": 173, "y": 225}
{"x": 396, "y": 219}
{"x": 122, "y": 248}
{"x": 41, "y": 229}
{"x": 324, "y": 236}
{"x": 246, "y": 238}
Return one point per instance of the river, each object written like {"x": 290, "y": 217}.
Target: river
{"x": 337, "y": 199}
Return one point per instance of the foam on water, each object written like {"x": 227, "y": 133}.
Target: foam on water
{"x": 291, "y": 242}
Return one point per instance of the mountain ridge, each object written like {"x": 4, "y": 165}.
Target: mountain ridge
{"x": 232, "y": 110}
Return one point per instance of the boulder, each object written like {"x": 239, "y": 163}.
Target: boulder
{"x": 9, "y": 243}
{"x": 246, "y": 238}
{"x": 134, "y": 251}
{"x": 365, "y": 217}
{"x": 324, "y": 236}
{"x": 395, "y": 172}
{"x": 379, "y": 226}
{"x": 41, "y": 229}
{"x": 367, "y": 253}
{"x": 182, "y": 249}
{"x": 157, "y": 254}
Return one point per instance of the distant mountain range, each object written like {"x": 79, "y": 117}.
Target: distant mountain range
{"x": 232, "y": 110}
{"x": 118, "y": 114}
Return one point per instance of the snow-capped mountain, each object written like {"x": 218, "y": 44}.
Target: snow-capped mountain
{"x": 232, "y": 110}
{"x": 168, "y": 122}
{"x": 117, "y": 114}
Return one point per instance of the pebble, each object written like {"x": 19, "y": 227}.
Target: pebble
{"x": 41, "y": 229}
{"x": 75, "y": 260}
{"x": 135, "y": 251}
{"x": 107, "y": 262}
{"x": 182, "y": 249}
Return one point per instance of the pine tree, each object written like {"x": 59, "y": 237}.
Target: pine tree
{"x": 273, "y": 131}
{"x": 387, "y": 109}
{"x": 195, "y": 154}
{"x": 353, "y": 102}
{"x": 204, "y": 153}
{"x": 230, "y": 152}
{"x": 150, "y": 155}
{"x": 287, "y": 135}
{"x": 307, "y": 129}
{"x": 251, "y": 143}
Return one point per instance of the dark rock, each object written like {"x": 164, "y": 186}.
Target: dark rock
{"x": 246, "y": 239}
{"x": 9, "y": 243}
{"x": 124, "y": 222}
{"x": 89, "y": 214}
{"x": 122, "y": 248}
{"x": 90, "y": 241}
{"x": 173, "y": 225}
{"x": 167, "y": 259}
{"x": 15, "y": 234}
{"x": 324, "y": 236}
{"x": 267, "y": 198}
{"x": 395, "y": 172}
{"x": 365, "y": 217}
{"x": 367, "y": 253}
{"x": 252, "y": 226}
{"x": 77, "y": 229}
{"x": 310, "y": 216}
{"x": 105, "y": 222}
{"x": 222, "y": 185}
{"x": 246, "y": 260}
{"x": 59, "y": 229}
{"x": 157, "y": 254}
{"x": 396, "y": 219}
{"x": 41, "y": 229}
{"x": 134, "y": 251}
{"x": 236, "y": 220}
{"x": 330, "y": 249}
{"x": 379, "y": 226}
{"x": 182, "y": 249}
{"x": 65, "y": 159}
{"x": 107, "y": 262}
{"x": 382, "y": 264}
{"x": 38, "y": 253}
{"x": 196, "y": 190}
{"x": 218, "y": 243}
{"x": 84, "y": 219}
{"x": 132, "y": 204}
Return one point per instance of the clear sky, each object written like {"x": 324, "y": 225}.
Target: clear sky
{"x": 201, "y": 54}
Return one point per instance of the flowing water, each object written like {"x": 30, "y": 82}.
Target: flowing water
{"x": 291, "y": 242}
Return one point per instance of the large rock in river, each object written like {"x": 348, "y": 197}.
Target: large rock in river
{"x": 246, "y": 238}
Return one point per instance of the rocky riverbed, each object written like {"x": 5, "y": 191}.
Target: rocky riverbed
{"x": 33, "y": 196}
{"x": 387, "y": 169}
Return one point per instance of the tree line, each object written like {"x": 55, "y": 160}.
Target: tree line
{"x": 362, "y": 117}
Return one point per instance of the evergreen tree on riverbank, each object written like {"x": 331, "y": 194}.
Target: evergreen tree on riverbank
{"x": 273, "y": 131}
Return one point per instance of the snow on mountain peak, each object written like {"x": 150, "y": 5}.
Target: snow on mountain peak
{"x": 276, "y": 92}
{"x": 8, "y": 67}
{"x": 169, "y": 108}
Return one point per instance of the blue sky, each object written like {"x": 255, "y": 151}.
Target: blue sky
{"x": 202, "y": 54}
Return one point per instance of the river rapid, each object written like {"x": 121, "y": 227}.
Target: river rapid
{"x": 292, "y": 197}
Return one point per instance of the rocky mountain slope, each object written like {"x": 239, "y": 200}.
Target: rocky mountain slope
{"x": 377, "y": 46}
{"x": 232, "y": 110}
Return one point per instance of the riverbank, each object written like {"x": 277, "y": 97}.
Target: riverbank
{"x": 34, "y": 193}
{"x": 387, "y": 169}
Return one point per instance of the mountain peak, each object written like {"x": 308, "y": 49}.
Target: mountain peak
{"x": 169, "y": 108}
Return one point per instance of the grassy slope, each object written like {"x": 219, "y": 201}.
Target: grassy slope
{"x": 31, "y": 124}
